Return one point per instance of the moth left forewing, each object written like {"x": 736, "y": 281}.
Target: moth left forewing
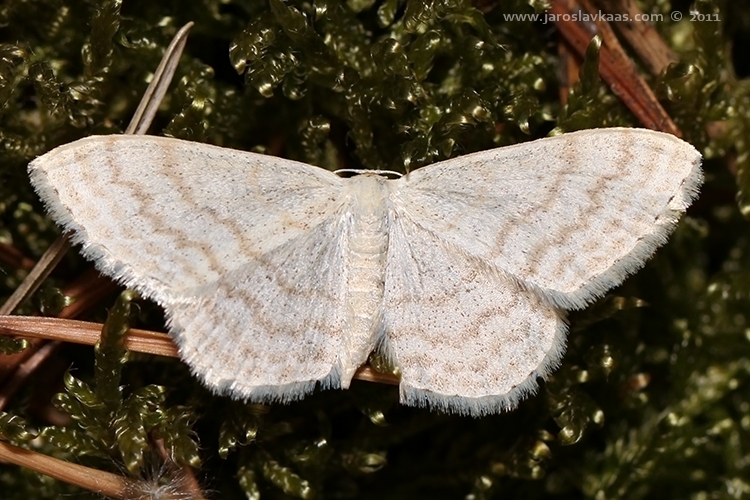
{"x": 167, "y": 216}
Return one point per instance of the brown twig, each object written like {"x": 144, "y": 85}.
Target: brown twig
{"x": 615, "y": 67}
{"x": 105, "y": 483}
{"x": 368, "y": 374}
{"x": 17, "y": 368}
{"x": 83, "y": 332}
{"x": 145, "y": 341}
{"x": 569, "y": 68}
{"x": 641, "y": 35}
{"x": 157, "y": 89}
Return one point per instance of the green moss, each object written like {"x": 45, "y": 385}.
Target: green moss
{"x": 651, "y": 399}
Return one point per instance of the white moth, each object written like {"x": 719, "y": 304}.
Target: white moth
{"x": 277, "y": 275}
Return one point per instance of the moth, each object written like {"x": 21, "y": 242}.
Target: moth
{"x": 277, "y": 276}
